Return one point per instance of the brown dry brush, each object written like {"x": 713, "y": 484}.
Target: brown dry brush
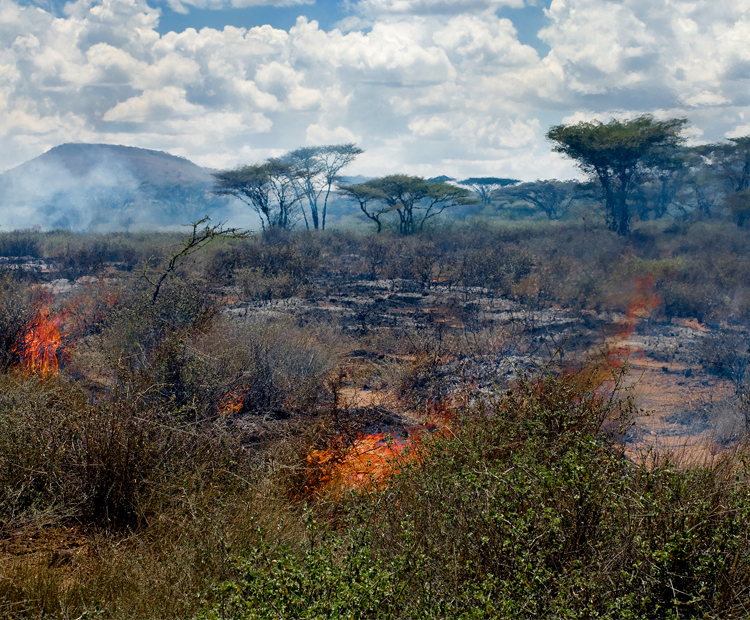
{"x": 160, "y": 502}
{"x": 127, "y": 448}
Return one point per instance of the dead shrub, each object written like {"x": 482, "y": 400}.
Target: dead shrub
{"x": 16, "y": 305}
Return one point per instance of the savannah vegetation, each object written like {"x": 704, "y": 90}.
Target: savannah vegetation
{"x": 176, "y": 454}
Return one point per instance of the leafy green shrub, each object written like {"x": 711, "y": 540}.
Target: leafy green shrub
{"x": 524, "y": 506}
{"x": 325, "y": 583}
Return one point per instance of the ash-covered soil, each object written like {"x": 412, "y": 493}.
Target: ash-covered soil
{"x": 475, "y": 342}
{"x": 412, "y": 344}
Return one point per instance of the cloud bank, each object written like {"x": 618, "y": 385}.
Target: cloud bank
{"x": 425, "y": 86}
{"x": 179, "y": 5}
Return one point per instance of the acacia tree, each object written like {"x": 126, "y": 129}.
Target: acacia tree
{"x": 698, "y": 179}
{"x": 315, "y": 172}
{"x": 412, "y": 198}
{"x": 729, "y": 162}
{"x": 551, "y": 196}
{"x": 724, "y": 170}
{"x": 441, "y": 196}
{"x": 484, "y": 187}
{"x": 370, "y": 200}
{"x": 401, "y": 193}
{"x": 267, "y": 187}
{"x": 612, "y": 154}
{"x": 667, "y": 185}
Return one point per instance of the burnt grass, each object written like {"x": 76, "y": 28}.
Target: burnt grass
{"x": 481, "y": 339}
{"x": 165, "y": 473}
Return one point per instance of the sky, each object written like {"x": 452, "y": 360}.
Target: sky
{"x": 425, "y": 87}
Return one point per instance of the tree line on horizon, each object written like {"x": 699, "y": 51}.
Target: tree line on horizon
{"x": 298, "y": 186}
{"x": 636, "y": 169}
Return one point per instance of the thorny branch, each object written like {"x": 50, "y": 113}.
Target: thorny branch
{"x": 198, "y": 239}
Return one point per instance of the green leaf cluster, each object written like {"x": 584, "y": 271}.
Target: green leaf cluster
{"x": 526, "y": 507}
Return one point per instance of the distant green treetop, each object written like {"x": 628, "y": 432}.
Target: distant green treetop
{"x": 614, "y": 153}
{"x": 485, "y": 186}
{"x": 412, "y": 198}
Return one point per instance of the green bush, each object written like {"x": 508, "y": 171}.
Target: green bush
{"x": 330, "y": 582}
{"x": 523, "y": 507}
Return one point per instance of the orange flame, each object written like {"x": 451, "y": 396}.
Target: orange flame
{"x": 371, "y": 459}
{"x": 644, "y": 303}
{"x": 38, "y": 347}
{"x": 232, "y": 402}
{"x": 640, "y": 307}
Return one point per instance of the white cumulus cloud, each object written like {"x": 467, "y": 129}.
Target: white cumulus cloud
{"x": 424, "y": 86}
{"x": 379, "y": 8}
{"x": 180, "y": 5}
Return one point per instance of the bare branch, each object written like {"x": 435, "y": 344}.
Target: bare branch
{"x": 198, "y": 239}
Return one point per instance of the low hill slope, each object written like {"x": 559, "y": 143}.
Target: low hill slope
{"x": 103, "y": 187}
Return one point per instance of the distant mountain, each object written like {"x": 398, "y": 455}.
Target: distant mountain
{"x": 104, "y": 187}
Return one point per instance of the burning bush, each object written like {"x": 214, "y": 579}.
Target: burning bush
{"x": 360, "y": 462}
{"x": 37, "y": 347}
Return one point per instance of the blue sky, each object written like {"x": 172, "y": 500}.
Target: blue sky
{"x": 429, "y": 87}
{"x": 528, "y": 19}
{"x": 325, "y": 12}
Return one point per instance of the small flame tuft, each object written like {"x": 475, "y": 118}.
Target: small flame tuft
{"x": 39, "y": 344}
{"x": 641, "y": 306}
{"x": 371, "y": 459}
{"x": 232, "y": 402}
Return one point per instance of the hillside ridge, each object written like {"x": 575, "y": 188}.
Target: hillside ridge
{"x": 106, "y": 187}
